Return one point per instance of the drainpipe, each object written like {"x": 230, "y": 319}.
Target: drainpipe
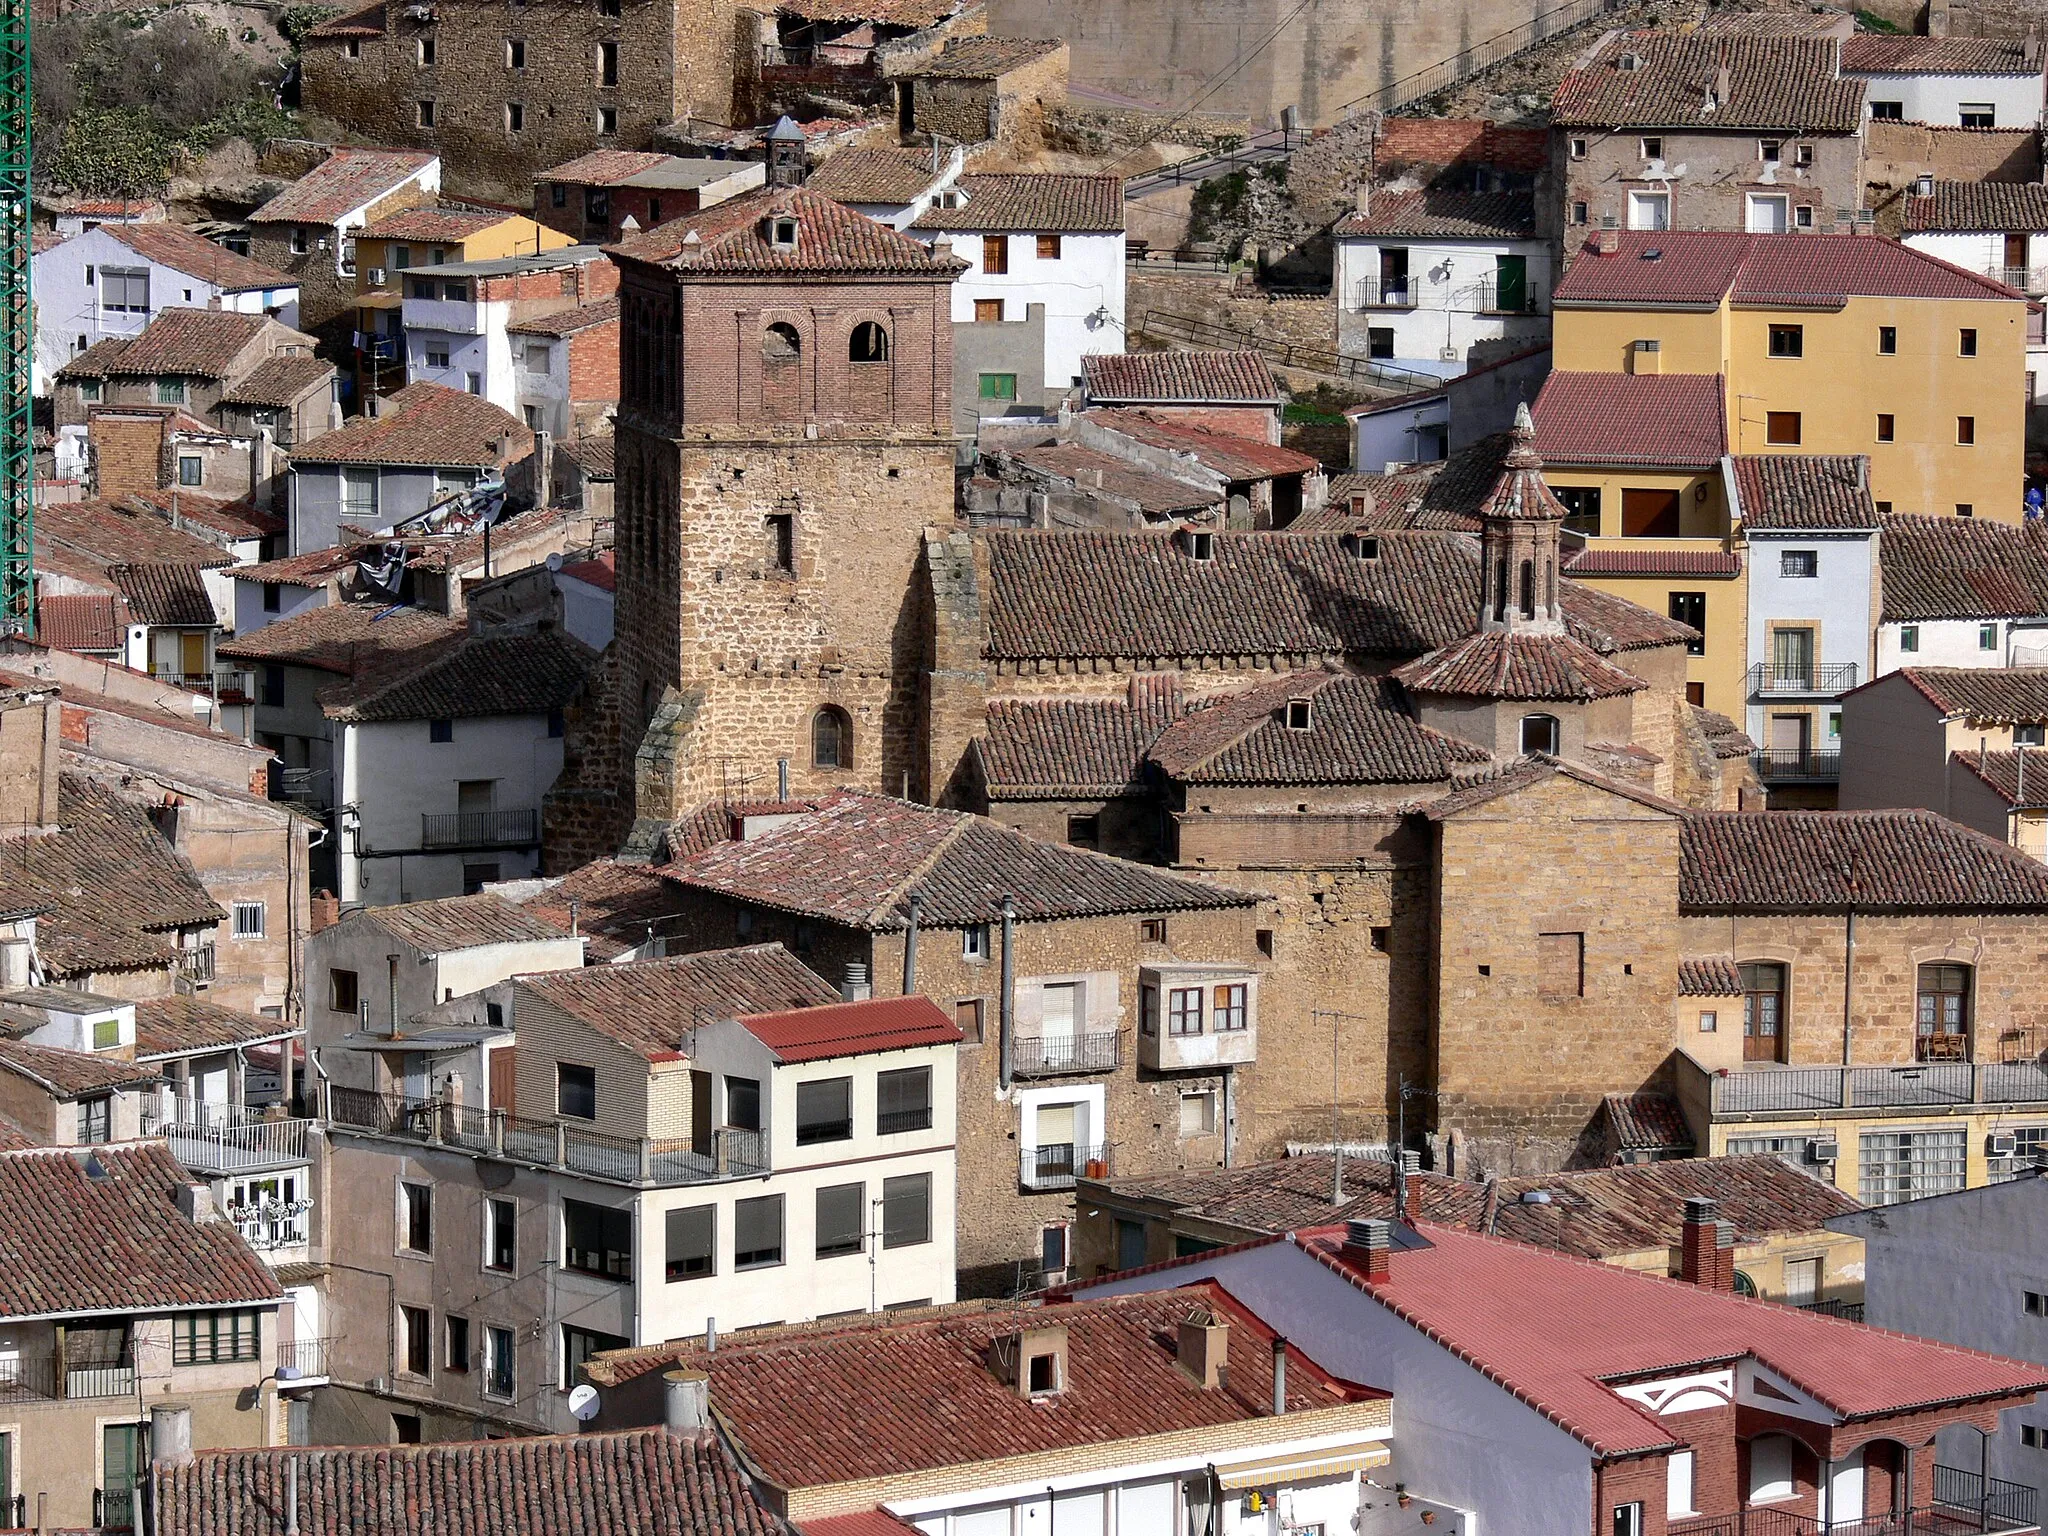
{"x": 1848, "y": 967}
{"x": 910, "y": 947}
{"x": 1009, "y": 999}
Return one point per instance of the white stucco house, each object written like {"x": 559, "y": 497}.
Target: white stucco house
{"x": 1947, "y": 82}
{"x": 2001, "y": 230}
{"x": 1962, "y": 592}
{"x": 458, "y": 321}
{"x": 1424, "y": 276}
{"x": 1408, "y": 429}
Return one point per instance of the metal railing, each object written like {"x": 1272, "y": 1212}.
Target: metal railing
{"x": 48, "y": 1377}
{"x": 1829, "y": 678}
{"x": 1961, "y": 1504}
{"x": 731, "y": 1154}
{"x": 1773, "y": 1089}
{"x": 303, "y": 1358}
{"x": 479, "y": 829}
{"x": 228, "y": 1138}
{"x": 1385, "y": 293}
{"x": 895, "y": 1122}
{"x": 113, "y": 1509}
{"x": 810, "y": 1133}
{"x": 1817, "y": 764}
{"x": 1093, "y": 1051}
{"x": 1848, "y": 1311}
{"x": 1994, "y": 1498}
{"x": 1057, "y": 1165}
{"x": 1289, "y": 354}
{"x": 236, "y": 687}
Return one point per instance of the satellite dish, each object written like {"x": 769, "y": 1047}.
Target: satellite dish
{"x": 554, "y": 561}
{"x": 583, "y": 1403}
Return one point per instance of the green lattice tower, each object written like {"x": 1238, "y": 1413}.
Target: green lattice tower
{"x": 17, "y": 330}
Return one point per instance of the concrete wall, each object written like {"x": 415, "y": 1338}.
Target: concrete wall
{"x": 1938, "y": 99}
{"x": 1015, "y": 346}
{"x": 1448, "y": 314}
{"x": 1721, "y": 171}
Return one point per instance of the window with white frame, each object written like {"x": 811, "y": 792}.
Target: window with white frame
{"x": 249, "y": 919}
{"x": 1678, "y": 1484}
{"x": 1649, "y": 210}
{"x": 1184, "y": 1011}
{"x": 358, "y": 492}
{"x": 1909, "y": 1165}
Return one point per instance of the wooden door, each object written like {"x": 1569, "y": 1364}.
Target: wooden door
{"x": 1763, "y": 1012}
{"x": 504, "y": 1070}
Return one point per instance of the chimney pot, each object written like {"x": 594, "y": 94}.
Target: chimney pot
{"x": 1370, "y": 1241}
{"x": 856, "y": 988}
{"x": 686, "y": 1401}
{"x": 1279, "y": 1375}
{"x": 170, "y": 1434}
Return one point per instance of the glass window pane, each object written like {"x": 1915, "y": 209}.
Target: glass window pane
{"x": 907, "y": 1210}
{"x": 757, "y": 1232}
{"x": 840, "y": 1219}
{"x": 692, "y": 1242}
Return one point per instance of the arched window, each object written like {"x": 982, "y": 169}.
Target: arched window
{"x": 1943, "y": 1021}
{"x": 1500, "y": 590}
{"x": 868, "y": 344}
{"x": 1763, "y": 1011}
{"x": 1539, "y": 734}
{"x": 831, "y": 739}
{"x": 781, "y": 344}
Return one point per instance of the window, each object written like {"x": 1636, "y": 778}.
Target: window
{"x": 1802, "y": 216}
{"x": 967, "y": 1018}
{"x": 359, "y": 494}
{"x": 831, "y": 739}
{"x": 597, "y": 1240}
{"x": 1802, "y": 154}
{"x": 1798, "y": 563}
{"x": 1944, "y": 1001}
{"x": 907, "y": 1210}
{"x": 300, "y": 241}
{"x": 214, "y": 1338}
{"x": 1765, "y": 214}
{"x": 498, "y": 1346}
{"x": 608, "y": 63}
{"x": 437, "y": 357}
{"x": 1966, "y": 344}
{"x": 106, "y": 1033}
{"x": 89, "y": 390}
{"x": 1084, "y": 831}
{"x": 824, "y": 1111}
{"x": 1648, "y": 513}
{"x": 575, "y": 1091}
{"x": 842, "y": 1221}
{"x": 1184, "y": 1011}
{"x": 974, "y": 942}
{"x": 501, "y": 1234}
{"x": 1539, "y": 734}
{"x": 170, "y": 391}
{"x": 1579, "y": 213}
{"x": 1197, "y": 1116}
{"x": 1379, "y": 341}
{"x": 1298, "y": 713}
{"x": 423, "y": 112}
{"x": 1788, "y": 341}
{"x": 1691, "y": 608}
{"x": 416, "y": 1211}
{"x": 1987, "y": 637}
{"x": 1887, "y": 111}
{"x": 1048, "y": 247}
{"x": 515, "y": 117}
{"x": 579, "y": 1344}
{"x": 1781, "y": 428}
{"x": 474, "y": 383}
{"x": 780, "y": 528}
{"x": 123, "y": 291}
{"x": 341, "y": 991}
{"x": 1653, "y": 149}
{"x": 2033, "y": 1437}
{"x": 1151, "y": 930}
{"x": 1965, "y": 509}
{"x": 1560, "y": 965}
{"x": 903, "y": 1101}
{"x": 455, "y": 1345}
{"x": 1966, "y": 429}
{"x": 692, "y": 1242}
{"x": 353, "y": 48}
{"x": 1887, "y": 340}
{"x": 273, "y": 597}
{"x": 96, "y": 1119}
{"x": 426, "y": 53}
{"x": 608, "y": 123}
{"x": 1886, "y": 427}
{"x": 1770, "y": 151}
{"x": 1628, "y": 1519}
{"x": 1052, "y": 1245}
{"x": 558, "y": 195}
{"x": 1229, "y": 1007}
{"x": 1906, "y": 1165}
{"x": 417, "y": 1323}
{"x": 515, "y": 53}
{"x": 558, "y": 724}
{"x": 1578, "y": 149}
{"x": 1770, "y": 1469}
{"x": 1710, "y": 1021}
{"x": 995, "y": 255}
{"x": 1649, "y": 210}
{"x": 869, "y": 343}
{"x": 2030, "y": 736}
{"x": 757, "y": 1232}
{"x": 988, "y": 311}
{"x": 1043, "y": 1375}
{"x": 1979, "y": 114}
{"x": 999, "y": 386}
{"x": 742, "y": 1104}
{"x": 2034, "y": 1303}
{"x": 1582, "y": 508}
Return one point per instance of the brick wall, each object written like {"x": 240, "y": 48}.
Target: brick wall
{"x": 128, "y": 453}
{"x": 594, "y": 364}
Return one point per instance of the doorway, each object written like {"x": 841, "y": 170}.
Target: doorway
{"x": 1763, "y": 1012}
{"x": 1393, "y": 274}
{"x": 1511, "y": 283}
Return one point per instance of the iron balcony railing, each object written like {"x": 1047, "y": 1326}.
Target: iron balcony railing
{"x": 50, "y": 1378}
{"x": 302, "y": 1359}
{"x": 1779, "y": 679}
{"x": 229, "y": 1138}
{"x": 1813, "y": 765}
{"x": 1386, "y": 293}
{"x": 731, "y": 1153}
{"x": 1848, "y": 1311}
{"x": 1781, "y": 1089}
{"x": 1057, "y": 1164}
{"x": 1992, "y": 1497}
{"x": 480, "y": 829}
{"x": 1960, "y": 1504}
{"x": 1042, "y": 1056}
{"x": 113, "y": 1509}
{"x": 894, "y": 1122}
{"x": 229, "y": 686}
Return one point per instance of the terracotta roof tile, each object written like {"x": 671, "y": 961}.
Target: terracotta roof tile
{"x": 183, "y": 250}
{"x": 1725, "y": 739}
{"x": 279, "y": 383}
{"x": 920, "y": 1394}
{"x": 1441, "y": 497}
{"x": 1962, "y": 568}
{"x": 1496, "y": 665}
{"x": 433, "y": 222}
{"x": 650, "y": 1005}
{"x": 1237, "y": 459}
{"x": 164, "y": 592}
{"x": 1090, "y": 469}
{"x": 1770, "y": 23}
{"x": 1804, "y": 492}
{"x": 830, "y": 238}
{"x": 1870, "y": 53}
{"x": 860, "y": 858}
{"x": 231, "y": 519}
{"x": 460, "y": 922}
{"x": 872, "y": 176}
{"x": 344, "y": 637}
{"x": 985, "y": 57}
{"x": 1446, "y": 212}
{"x": 1030, "y": 201}
{"x": 1662, "y": 419}
{"x": 1076, "y": 747}
{"x": 595, "y": 456}
{"x": 1606, "y": 560}
{"x": 604, "y": 167}
{"x": 96, "y": 360}
{"x": 1180, "y": 378}
{"x": 200, "y": 343}
{"x": 67, "y": 1074}
{"x": 346, "y": 180}
{"x": 1786, "y": 83}
{"x": 85, "y": 622}
{"x": 1144, "y": 595}
{"x": 640, "y": 1482}
{"x": 2018, "y": 777}
{"x": 1979, "y": 207}
{"x": 1701, "y": 267}
{"x": 567, "y": 322}
{"x": 617, "y": 905}
{"x": 181, "y": 1024}
{"x": 1499, "y": 780}
{"x": 1359, "y": 732}
{"x": 1984, "y": 695}
{"x": 79, "y": 1243}
{"x": 1709, "y": 976}
{"x": 1829, "y": 861}
{"x": 852, "y": 1029}
{"x": 1651, "y": 1122}
{"x": 122, "y": 531}
{"x": 425, "y": 424}
{"x": 486, "y": 674}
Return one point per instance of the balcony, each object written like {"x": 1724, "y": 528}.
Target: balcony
{"x": 113, "y": 1509}
{"x": 1052, "y": 1055}
{"x": 270, "y": 1225}
{"x": 1786, "y": 1090}
{"x": 897, "y": 1122}
{"x": 1057, "y": 1166}
{"x": 214, "y": 1139}
{"x": 480, "y": 829}
{"x": 195, "y": 969}
{"x": 1811, "y": 680}
{"x": 1797, "y": 765}
{"x": 303, "y": 1362}
{"x": 228, "y": 687}
{"x": 555, "y": 1144}
{"x": 1489, "y": 298}
{"x": 46, "y": 1377}
{"x": 1384, "y": 293}
{"x": 1962, "y": 1504}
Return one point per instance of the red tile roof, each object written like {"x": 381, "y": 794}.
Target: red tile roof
{"x": 650, "y": 1005}
{"x": 604, "y": 167}
{"x": 616, "y": 906}
{"x": 567, "y": 322}
{"x": 1237, "y": 459}
{"x": 367, "y": 21}
{"x": 1032, "y": 201}
{"x": 85, "y": 622}
{"x": 460, "y": 922}
{"x": 68, "y": 1074}
{"x": 1983, "y": 695}
{"x": 1060, "y": 748}
{"x": 1359, "y": 732}
{"x": 164, "y": 592}
{"x": 852, "y": 1029}
{"x": 183, "y": 250}
{"x": 1496, "y": 1304}
{"x": 831, "y": 237}
{"x": 201, "y": 343}
{"x": 181, "y": 1024}
{"x": 985, "y": 57}
{"x": 346, "y": 180}
{"x": 1709, "y": 976}
{"x": 432, "y": 222}
{"x": 1836, "y": 861}
{"x": 872, "y": 176}
{"x": 912, "y": 1395}
{"x": 1092, "y": 471}
{"x": 1180, "y": 378}
{"x": 1979, "y": 206}
{"x": 1962, "y": 568}
{"x": 601, "y": 572}
{"x": 425, "y": 424}
{"x": 1658, "y": 419}
{"x": 915, "y": 14}
{"x": 1664, "y": 79}
{"x": 279, "y": 383}
{"x": 1446, "y": 212}
{"x": 482, "y": 674}
{"x": 1460, "y": 141}
{"x": 97, "y": 1230}
{"x": 345, "y": 638}
{"x": 1651, "y": 1122}
{"x": 1606, "y": 560}
{"x": 1804, "y": 492}
{"x": 1869, "y": 53}
{"x": 1496, "y": 665}
{"x": 641, "y": 1482}
{"x": 1701, "y": 267}
{"x": 2018, "y": 777}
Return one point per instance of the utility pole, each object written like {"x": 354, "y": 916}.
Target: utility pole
{"x": 17, "y": 331}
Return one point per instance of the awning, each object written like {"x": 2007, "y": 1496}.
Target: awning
{"x": 1303, "y": 1466}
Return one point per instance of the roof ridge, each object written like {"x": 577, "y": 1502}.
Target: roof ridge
{"x": 885, "y": 909}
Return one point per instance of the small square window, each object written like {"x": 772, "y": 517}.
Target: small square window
{"x": 1788, "y": 341}
{"x": 1887, "y": 340}
{"x": 607, "y": 123}
{"x": 1710, "y": 1021}
{"x": 1909, "y": 638}
{"x": 1966, "y": 342}
{"x": 1887, "y": 111}
{"x": 2036, "y": 1303}
{"x": 967, "y": 1017}
{"x": 1966, "y": 430}
{"x": 1965, "y": 509}
{"x": 1084, "y": 831}
{"x": 1781, "y": 428}
{"x": 249, "y": 917}
{"x": 1579, "y": 213}
{"x": 1298, "y": 714}
{"x": 1151, "y": 930}
{"x": 1987, "y": 637}
{"x": 424, "y": 112}
{"x": 1799, "y": 562}
{"x": 354, "y": 48}
{"x": 1653, "y": 149}
{"x": 1802, "y": 216}
{"x": 191, "y": 469}
{"x": 341, "y": 991}
{"x": 1578, "y": 150}
{"x": 299, "y": 243}
{"x": 1802, "y": 154}
{"x": 1048, "y": 247}
{"x": 974, "y": 942}
{"x": 1265, "y": 942}
{"x": 575, "y": 1091}
{"x": 1383, "y": 940}
{"x": 1885, "y": 426}
{"x": 1770, "y": 151}
{"x": 1979, "y": 114}
{"x": 456, "y": 1355}
{"x": 2032, "y": 1437}
{"x": 440, "y": 730}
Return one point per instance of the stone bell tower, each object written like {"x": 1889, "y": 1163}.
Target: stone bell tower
{"x": 1520, "y": 519}
{"x": 784, "y": 444}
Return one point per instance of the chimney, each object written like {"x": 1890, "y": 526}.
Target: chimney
{"x": 1362, "y": 199}
{"x": 685, "y": 1401}
{"x": 1032, "y": 1361}
{"x": 291, "y": 1496}
{"x": 855, "y": 988}
{"x": 1606, "y": 240}
{"x": 1279, "y": 1375}
{"x": 1722, "y": 82}
{"x": 1369, "y": 1242}
{"x": 170, "y": 1434}
{"x": 1706, "y": 1251}
{"x": 1407, "y": 1190}
{"x": 195, "y": 1203}
{"x": 1203, "y": 1346}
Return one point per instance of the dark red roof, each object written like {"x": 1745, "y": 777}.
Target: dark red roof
{"x": 2018, "y": 777}
{"x": 1662, "y": 80}
{"x": 425, "y": 424}
{"x": 1983, "y": 695}
{"x": 1497, "y": 665}
{"x": 184, "y": 250}
{"x": 82, "y": 622}
{"x": 1979, "y": 206}
{"x": 346, "y": 180}
{"x": 853, "y": 1029}
{"x": 1359, "y": 732}
{"x": 1446, "y": 212}
{"x": 1607, "y": 560}
{"x": 729, "y": 240}
{"x": 1180, "y": 378}
{"x": 1700, "y": 267}
{"x": 1709, "y": 976}
{"x": 649, "y": 1005}
{"x": 1871, "y": 53}
{"x": 1076, "y": 747}
{"x": 1236, "y": 459}
{"x": 1455, "y": 141}
{"x": 1963, "y": 568}
{"x": 1838, "y": 861}
{"x": 1652, "y": 1122}
{"x": 1805, "y": 492}
{"x": 1672, "y": 419}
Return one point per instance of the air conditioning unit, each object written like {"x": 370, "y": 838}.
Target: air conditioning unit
{"x": 2001, "y": 1144}
{"x": 1822, "y": 1149}
{"x": 376, "y": 277}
